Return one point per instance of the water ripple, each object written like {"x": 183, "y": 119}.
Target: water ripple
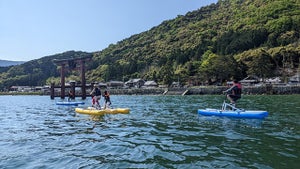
{"x": 159, "y": 132}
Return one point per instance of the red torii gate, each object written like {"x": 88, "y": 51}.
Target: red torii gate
{"x": 72, "y": 64}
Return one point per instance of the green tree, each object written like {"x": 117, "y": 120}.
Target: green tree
{"x": 259, "y": 63}
{"x": 217, "y": 67}
{"x": 166, "y": 73}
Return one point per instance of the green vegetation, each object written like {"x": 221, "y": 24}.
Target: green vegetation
{"x": 35, "y": 72}
{"x": 230, "y": 39}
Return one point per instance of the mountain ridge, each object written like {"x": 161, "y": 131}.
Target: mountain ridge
{"x": 218, "y": 42}
{"x": 5, "y": 63}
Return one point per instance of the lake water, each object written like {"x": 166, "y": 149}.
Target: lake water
{"x": 159, "y": 132}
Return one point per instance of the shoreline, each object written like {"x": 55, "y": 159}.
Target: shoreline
{"x": 196, "y": 90}
{"x": 209, "y": 90}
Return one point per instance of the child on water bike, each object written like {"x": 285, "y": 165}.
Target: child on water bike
{"x": 107, "y": 99}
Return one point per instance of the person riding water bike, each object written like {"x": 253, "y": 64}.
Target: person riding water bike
{"x": 234, "y": 93}
{"x": 107, "y": 99}
{"x": 96, "y": 96}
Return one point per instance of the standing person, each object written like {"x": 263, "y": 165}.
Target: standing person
{"x": 96, "y": 96}
{"x": 107, "y": 99}
{"x": 95, "y": 102}
{"x": 70, "y": 95}
{"x": 234, "y": 93}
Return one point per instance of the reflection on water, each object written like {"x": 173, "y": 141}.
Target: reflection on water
{"x": 159, "y": 132}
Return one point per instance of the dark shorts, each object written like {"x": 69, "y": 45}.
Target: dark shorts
{"x": 234, "y": 97}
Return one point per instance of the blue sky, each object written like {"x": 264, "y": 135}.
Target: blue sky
{"x": 31, "y": 29}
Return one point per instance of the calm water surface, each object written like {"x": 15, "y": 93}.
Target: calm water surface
{"x": 159, "y": 132}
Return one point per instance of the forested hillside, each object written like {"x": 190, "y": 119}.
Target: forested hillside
{"x": 35, "y": 72}
{"x": 230, "y": 39}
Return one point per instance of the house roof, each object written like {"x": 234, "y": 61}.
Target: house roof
{"x": 101, "y": 84}
{"x": 149, "y": 83}
{"x": 116, "y": 82}
{"x": 134, "y": 80}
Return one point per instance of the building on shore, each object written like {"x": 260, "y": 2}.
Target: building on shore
{"x": 137, "y": 83}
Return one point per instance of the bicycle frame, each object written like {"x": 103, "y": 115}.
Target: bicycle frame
{"x": 226, "y": 105}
